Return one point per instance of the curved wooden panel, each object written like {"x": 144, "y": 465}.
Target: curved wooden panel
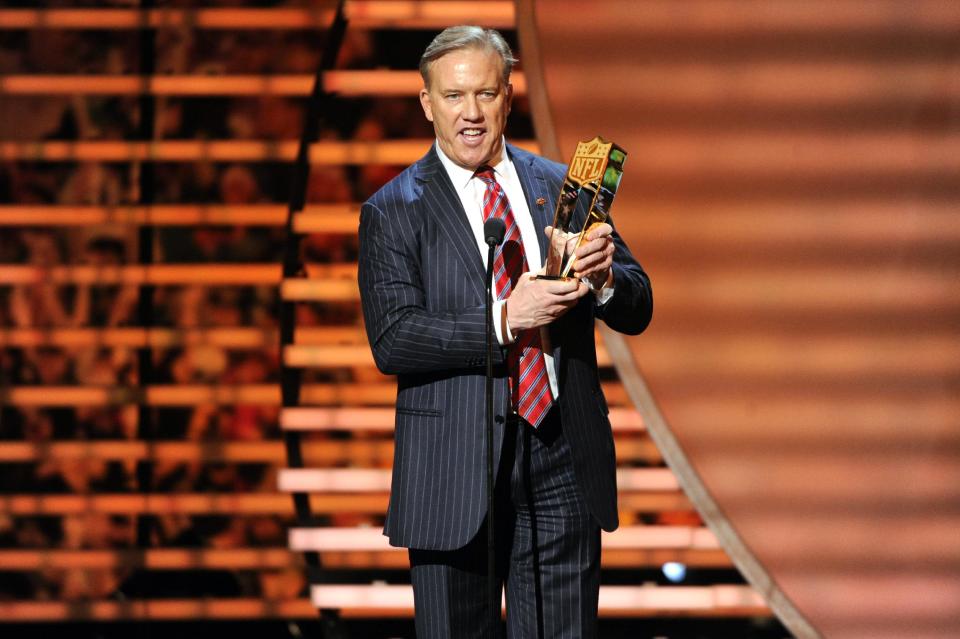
{"x": 792, "y": 190}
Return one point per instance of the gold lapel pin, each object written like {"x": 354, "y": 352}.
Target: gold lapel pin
{"x": 541, "y": 201}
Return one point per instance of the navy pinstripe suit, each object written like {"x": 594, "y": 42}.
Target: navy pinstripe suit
{"x": 422, "y": 289}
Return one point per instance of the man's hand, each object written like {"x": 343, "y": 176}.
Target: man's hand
{"x": 594, "y": 257}
{"x": 536, "y": 302}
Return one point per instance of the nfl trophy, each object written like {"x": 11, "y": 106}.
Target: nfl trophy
{"x": 594, "y": 171}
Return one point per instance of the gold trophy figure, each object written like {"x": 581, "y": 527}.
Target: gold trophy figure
{"x": 596, "y": 169}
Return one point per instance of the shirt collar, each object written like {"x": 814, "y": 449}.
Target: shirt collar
{"x": 461, "y": 177}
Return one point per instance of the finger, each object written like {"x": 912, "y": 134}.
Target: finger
{"x": 570, "y": 299}
{"x": 600, "y": 230}
{"x": 599, "y": 269}
{"x": 566, "y": 297}
{"x": 573, "y": 295}
{"x": 556, "y": 285}
{"x": 589, "y": 260}
{"x": 606, "y": 252}
{"x": 560, "y": 287}
{"x": 588, "y": 247}
{"x": 595, "y": 246}
{"x": 595, "y": 265}
{"x": 592, "y": 260}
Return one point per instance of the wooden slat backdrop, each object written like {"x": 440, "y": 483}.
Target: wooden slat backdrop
{"x": 389, "y": 14}
{"x": 344, "y": 83}
{"x": 813, "y": 144}
{"x": 349, "y": 477}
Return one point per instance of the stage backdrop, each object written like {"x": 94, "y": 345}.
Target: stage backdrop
{"x": 792, "y": 189}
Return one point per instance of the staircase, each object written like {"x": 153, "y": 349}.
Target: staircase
{"x": 142, "y": 462}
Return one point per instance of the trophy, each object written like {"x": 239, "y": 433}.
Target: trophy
{"x": 595, "y": 170}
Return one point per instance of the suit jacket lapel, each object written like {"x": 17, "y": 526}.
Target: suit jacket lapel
{"x": 535, "y": 187}
{"x": 440, "y": 200}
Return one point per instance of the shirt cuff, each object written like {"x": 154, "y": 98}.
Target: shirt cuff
{"x": 602, "y": 295}
{"x": 500, "y": 326}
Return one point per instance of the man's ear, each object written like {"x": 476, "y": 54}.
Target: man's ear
{"x": 509, "y": 97}
{"x": 426, "y": 105}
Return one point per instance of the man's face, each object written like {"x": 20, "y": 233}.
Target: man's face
{"x": 468, "y": 103}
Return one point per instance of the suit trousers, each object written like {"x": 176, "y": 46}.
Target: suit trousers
{"x": 547, "y": 544}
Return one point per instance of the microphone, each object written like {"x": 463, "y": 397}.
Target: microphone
{"x": 493, "y": 231}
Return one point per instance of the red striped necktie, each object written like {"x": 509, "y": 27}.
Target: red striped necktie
{"x": 529, "y": 384}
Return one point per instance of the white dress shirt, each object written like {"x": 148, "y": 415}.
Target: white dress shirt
{"x": 470, "y": 190}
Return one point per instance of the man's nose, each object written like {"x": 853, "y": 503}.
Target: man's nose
{"x": 471, "y": 109}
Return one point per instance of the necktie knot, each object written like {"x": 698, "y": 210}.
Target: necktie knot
{"x": 485, "y": 173}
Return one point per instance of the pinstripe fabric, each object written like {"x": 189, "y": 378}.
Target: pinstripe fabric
{"x": 422, "y": 291}
{"x": 553, "y": 580}
{"x": 548, "y": 553}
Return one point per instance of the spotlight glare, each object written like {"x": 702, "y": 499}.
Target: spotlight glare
{"x": 674, "y": 571}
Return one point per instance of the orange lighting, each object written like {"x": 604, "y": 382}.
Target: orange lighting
{"x": 345, "y": 83}
{"x": 187, "y": 504}
{"x": 368, "y": 14}
{"x": 325, "y": 218}
{"x": 169, "y": 274}
{"x": 398, "y": 152}
{"x": 367, "y": 480}
{"x": 626, "y": 537}
{"x": 621, "y": 419}
{"x": 614, "y": 600}
{"x": 244, "y": 452}
{"x": 156, "y": 609}
{"x": 376, "y": 419}
{"x": 185, "y": 395}
{"x": 360, "y": 355}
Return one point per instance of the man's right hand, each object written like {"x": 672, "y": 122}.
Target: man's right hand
{"x": 535, "y": 302}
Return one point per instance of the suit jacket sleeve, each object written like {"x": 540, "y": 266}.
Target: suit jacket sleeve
{"x": 404, "y": 335}
{"x": 631, "y": 307}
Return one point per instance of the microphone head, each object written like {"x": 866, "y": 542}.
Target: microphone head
{"x": 493, "y": 231}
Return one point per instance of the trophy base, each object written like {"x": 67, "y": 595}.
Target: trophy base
{"x": 555, "y": 278}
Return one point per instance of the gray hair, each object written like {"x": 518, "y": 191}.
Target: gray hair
{"x": 466, "y": 37}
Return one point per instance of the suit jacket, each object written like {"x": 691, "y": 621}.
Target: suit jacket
{"x": 421, "y": 279}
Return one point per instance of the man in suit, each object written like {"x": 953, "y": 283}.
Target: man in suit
{"x": 422, "y": 271}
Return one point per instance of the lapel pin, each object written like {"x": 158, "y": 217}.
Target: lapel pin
{"x": 541, "y": 201}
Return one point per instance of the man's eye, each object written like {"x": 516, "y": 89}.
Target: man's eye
{"x": 452, "y": 96}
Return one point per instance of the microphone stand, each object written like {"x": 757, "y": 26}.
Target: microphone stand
{"x": 493, "y": 231}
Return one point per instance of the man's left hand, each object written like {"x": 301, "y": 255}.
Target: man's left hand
{"x": 594, "y": 257}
